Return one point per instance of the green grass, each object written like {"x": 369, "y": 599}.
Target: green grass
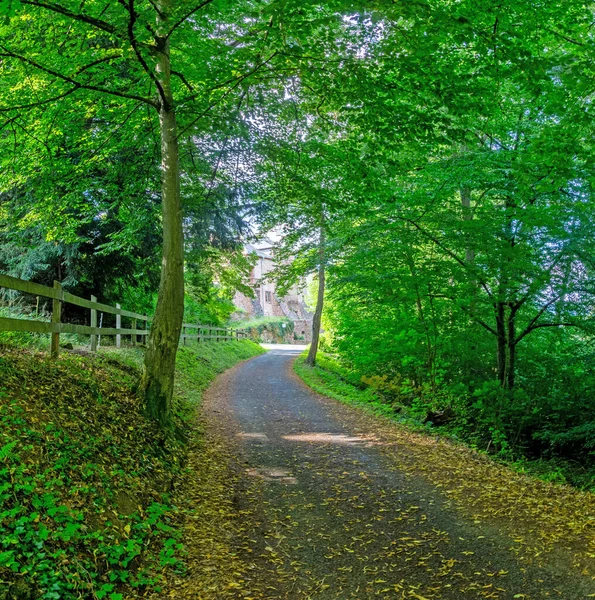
{"x": 85, "y": 480}
{"x": 38, "y": 341}
{"x": 22, "y": 338}
{"x": 330, "y": 379}
{"x": 199, "y": 364}
{"x": 258, "y": 322}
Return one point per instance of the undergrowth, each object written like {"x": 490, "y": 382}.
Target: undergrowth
{"x": 333, "y": 380}
{"x": 85, "y": 480}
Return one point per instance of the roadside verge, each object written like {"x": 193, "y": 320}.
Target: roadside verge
{"x": 540, "y": 518}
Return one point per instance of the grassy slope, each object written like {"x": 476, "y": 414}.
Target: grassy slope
{"x": 85, "y": 480}
{"x": 270, "y": 329}
{"x": 327, "y": 378}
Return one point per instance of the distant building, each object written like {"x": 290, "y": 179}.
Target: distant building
{"x": 266, "y": 301}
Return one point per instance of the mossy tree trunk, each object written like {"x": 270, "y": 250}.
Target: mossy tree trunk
{"x": 160, "y": 357}
{"x": 317, "y": 320}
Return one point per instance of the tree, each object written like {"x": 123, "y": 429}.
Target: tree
{"x": 317, "y": 320}
{"x": 124, "y": 47}
{"x": 303, "y": 202}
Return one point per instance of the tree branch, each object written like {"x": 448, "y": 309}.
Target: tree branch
{"x": 40, "y": 103}
{"x": 540, "y": 326}
{"x": 480, "y": 322}
{"x": 237, "y": 80}
{"x": 97, "y": 62}
{"x": 468, "y": 311}
{"x": 97, "y": 23}
{"x": 536, "y": 318}
{"x": 77, "y": 84}
{"x": 9, "y": 122}
{"x": 183, "y": 79}
{"x": 187, "y": 16}
{"x": 146, "y": 25}
{"x": 139, "y": 56}
{"x": 231, "y": 89}
{"x": 449, "y": 252}
{"x": 564, "y": 37}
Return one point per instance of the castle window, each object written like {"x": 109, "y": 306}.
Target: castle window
{"x": 268, "y": 297}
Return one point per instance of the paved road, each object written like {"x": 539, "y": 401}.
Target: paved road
{"x": 338, "y": 519}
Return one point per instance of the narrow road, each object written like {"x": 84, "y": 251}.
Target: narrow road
{"x": 338, "y": 517}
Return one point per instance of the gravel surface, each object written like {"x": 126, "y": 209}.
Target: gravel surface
{"x": 336, "y": 517}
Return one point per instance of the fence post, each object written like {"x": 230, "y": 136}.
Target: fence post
{"x": 198, "y": 334}
{"x": 93, "y": 324}
{"x": 56, "y": 318}
{"x": 146, "y": 335}
{"x": 134, "y": 332}
{"x": 118, "y": 326}
{"x": 184, "y": 330}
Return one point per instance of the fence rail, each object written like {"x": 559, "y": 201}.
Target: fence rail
{"x": 56, "y": 327}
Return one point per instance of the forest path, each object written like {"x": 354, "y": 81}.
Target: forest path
{"x": 347, "y": 508}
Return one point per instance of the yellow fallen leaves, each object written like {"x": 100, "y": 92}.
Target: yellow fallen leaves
{"x": 538, "y": 516}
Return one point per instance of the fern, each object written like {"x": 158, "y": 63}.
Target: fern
{"x": 7, "y": 450}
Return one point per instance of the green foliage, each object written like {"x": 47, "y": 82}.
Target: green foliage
{"x": 551, "y": 436}
{"x": 332, "y": 380}
{"x": 268, "y": 329}
{"x": 447, "y": 191}
{"x": 461, "y": 278}
{"x": 209, "y": 302}
{"x": 215, "y": 309}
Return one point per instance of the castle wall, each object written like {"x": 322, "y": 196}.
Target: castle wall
{"x": 267, "y": 303}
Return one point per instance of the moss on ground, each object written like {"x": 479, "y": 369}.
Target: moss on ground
{"x": 86, "y": 482}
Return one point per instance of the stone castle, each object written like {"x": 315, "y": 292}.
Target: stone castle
{"x": 266, "y": 301}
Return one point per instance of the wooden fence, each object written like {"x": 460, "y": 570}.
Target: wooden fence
{"x": 56, "y": 327}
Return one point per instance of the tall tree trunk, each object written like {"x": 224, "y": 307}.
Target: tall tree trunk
{"x": 509, "y": 309}
{"x": 506, "y": 354}
{"x": 501, "y": 341}
{"x": 316, "y": 322}
{"x": 465, "y": 193}
{"x": 511, "y": 350}
{"x": 512, "y": 342}
{"x": 160, "y": 358}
